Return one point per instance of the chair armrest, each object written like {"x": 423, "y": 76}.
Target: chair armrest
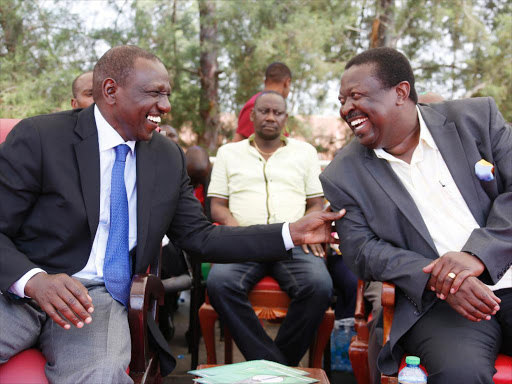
{"x": 360, "y": 318}
{"x": 146, "y": 292}
{"x": 388, "y": 308}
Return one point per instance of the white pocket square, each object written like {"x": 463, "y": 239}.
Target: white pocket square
{"x": 484, "y": 170}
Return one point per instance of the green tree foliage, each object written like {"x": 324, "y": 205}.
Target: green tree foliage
{"x": 41, "y": 51}
{"x": 459, "y": 48}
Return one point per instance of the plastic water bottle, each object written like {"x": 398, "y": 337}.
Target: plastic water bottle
{"x": 340, "y": 340}
{"x": 412, "y": 373}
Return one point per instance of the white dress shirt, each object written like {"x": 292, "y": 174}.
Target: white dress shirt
{"x": 441, "y": 205}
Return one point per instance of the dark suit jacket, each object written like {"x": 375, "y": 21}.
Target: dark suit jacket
{"x": 49, "y": 202}
{"x": 383, "y": 236}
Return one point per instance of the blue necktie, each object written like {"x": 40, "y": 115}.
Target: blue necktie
{"x": 116, "y": 268}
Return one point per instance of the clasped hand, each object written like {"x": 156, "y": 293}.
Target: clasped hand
{"x": 454, "y": 278}
{"x": 474, "y": 300}
{"x": 63, "y": 298}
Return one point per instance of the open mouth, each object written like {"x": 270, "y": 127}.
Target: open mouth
{"x": 357, "y": 125}
{"x": 154, "y": 119}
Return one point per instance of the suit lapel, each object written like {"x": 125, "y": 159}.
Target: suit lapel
{"x": 450, "y": 145}
{"x": 391, "y": 184}
{"x": 145, "y": 190}
{"x": 88, "y": 159}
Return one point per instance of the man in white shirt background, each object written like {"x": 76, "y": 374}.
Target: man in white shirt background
{"x": 428, "y": 192}
{"x": 266, "y": 179}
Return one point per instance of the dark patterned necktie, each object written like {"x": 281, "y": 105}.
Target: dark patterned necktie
{"x": 116, "y": 268}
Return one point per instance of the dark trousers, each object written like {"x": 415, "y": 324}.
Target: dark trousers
{"x": 304, "y": 278}
{"x": 345, "y": 282}
{"x": 456, "y": 350}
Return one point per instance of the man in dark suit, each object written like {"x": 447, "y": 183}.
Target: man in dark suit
{"x": 66, "y": 252}
{"x": 418, "y": 183}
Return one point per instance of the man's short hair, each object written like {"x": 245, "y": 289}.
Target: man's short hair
{"x": 392, "y": 67}
{"x": 277, "y": 72}
{"x": 117, "y": 63}
{"x": 270, "y": 93}
{"x": 74, "y": 86}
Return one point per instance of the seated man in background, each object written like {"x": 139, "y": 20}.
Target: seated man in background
{"x": 169, "y": 132}
{"x": 278, "y": 78}
{"x": 82, "y": 91}
{"x": 427, "y": 211}
{"x": 266, "y": 179}
{"x": 199, "y": 169}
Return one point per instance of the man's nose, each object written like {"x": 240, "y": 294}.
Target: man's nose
{"x": 164, "y": 105}
{"x": 346, "y": 108}
{"x": 271, "y": 116}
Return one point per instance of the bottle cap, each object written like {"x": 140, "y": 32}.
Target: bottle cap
{"x": 412, "y": 360}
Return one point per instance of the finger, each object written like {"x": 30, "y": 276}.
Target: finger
{"x": 73, "y": 309}
{"x": 444, "y": 279}
{"x": 317, "y": 250}
{"x": 466, "y": 314}
{"x": 332, "y": 216}
{"x": 54, "y": 314}
{"x": 459, "y": 279}
{"x": 82, "y": 294}
{"x": 332, "y": 240}
{"x": 62, "y": 305}
{"x": 430, "y": 267}
{"x": 305, "y": 248}
{"x": 489, "y": 299}
{"x": 446, "y": 285}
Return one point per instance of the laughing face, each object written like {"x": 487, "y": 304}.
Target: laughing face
{"x": 367, "y": 107}
{"x": 141, "y": 101}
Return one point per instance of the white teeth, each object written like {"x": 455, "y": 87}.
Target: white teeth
{"x": 154, "y": 119}
{"x": 358, "y": 121}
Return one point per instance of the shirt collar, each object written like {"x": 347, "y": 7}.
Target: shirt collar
{"x": 108, "y": 137}
{"x": 425, "y": 139}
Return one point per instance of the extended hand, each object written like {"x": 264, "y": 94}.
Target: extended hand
{"x": 317, "y": 249}
{"x": 315, "y": 228}
{"x": 461, "y": 264}
{"x": 474, "y": 300}
{"x": 61, "y": 297}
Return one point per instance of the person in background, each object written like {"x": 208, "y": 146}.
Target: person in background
{"x": 278, "y": 78}
{"x": 262, "y": 180}
{"x": 169, "y": 132}
{"x": 82, "y": 91}
{"x": 86, "y": 197}
{"x": 430, "y": 97}
{"x": 428, "y": 191}
{"x": 199, "y": 169}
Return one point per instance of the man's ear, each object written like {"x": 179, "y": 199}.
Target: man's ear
{"x": 402, "y": 91}
{"x": 74, "y": 104}
{"x": 288, "y": 82}
{"x": 251, "y": 116}
{"x": 108, "y": 90}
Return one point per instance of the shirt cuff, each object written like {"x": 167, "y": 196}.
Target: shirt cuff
{"x": 287, "y": 238}
{"x": 18, "y": 288}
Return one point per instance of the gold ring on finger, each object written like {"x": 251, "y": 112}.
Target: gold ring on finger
{"x": 452, "y": 275}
